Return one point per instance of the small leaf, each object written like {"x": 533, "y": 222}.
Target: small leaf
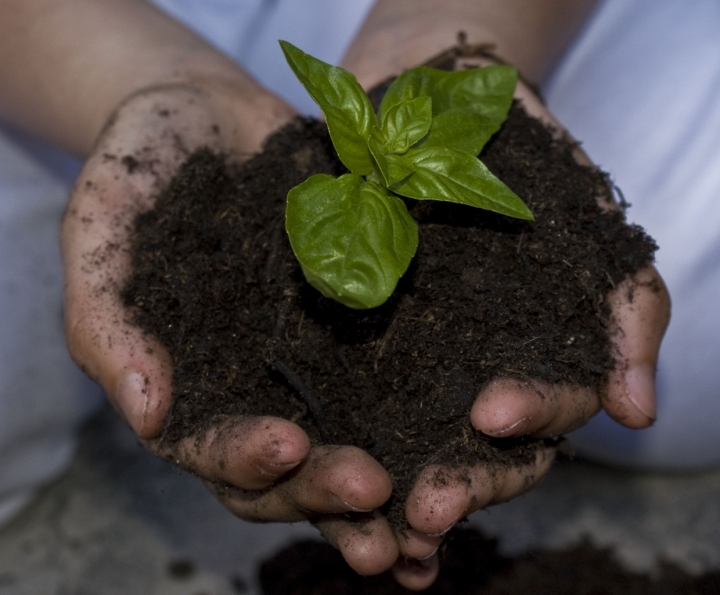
{"x": 348, "y": 111}
{"x": 354, "y": 239}
{"x": 478, "y": 99}
{"x": 393, "y": 168}
{"x": 451, "y": 130}
{"x": 405, "y": 123}
{"x": 455, "y": 176}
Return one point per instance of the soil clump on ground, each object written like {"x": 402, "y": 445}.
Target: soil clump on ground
{"x": 486, "y": 296}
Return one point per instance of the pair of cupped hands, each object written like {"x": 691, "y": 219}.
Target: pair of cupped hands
{"x": 270, "y": 471}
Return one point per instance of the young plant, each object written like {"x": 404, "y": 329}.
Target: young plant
{"x": 353, "y": 235}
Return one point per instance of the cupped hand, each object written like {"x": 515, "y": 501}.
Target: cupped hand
{"x": 264, "y": 469}
{"x": 510, "y": 407}
{"x": 640, "y": 313}
{"x": 640, "y": 308}
{"x": 261, "y": 468}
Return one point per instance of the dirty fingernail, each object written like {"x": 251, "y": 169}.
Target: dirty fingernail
{"x": 342, "y": 505}
{"x": 514, "y": 429}
{"x": 131, "y": 396}
{"x": 640, "y": 387}
{"x": 275, "y": 469}
{"x": 443, "y": 532}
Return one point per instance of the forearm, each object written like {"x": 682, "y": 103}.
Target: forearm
{"x": 399, "y": 34}
{"x": 65, "y": 65}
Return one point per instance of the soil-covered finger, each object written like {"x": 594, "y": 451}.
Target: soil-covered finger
{"x": 339, "y": 479}
{"x": 248, "y": 453}
{"x": 331, "y": 480}
{"x": 367, "y": 544}
{"x": 518, "y": 480}
{"x": 137, "y": 152}
{"x": 442, "y": 496}
{"x": 131, "y": 366}
{"x": 510, "y": 407}
{"x": 641, "y": 313}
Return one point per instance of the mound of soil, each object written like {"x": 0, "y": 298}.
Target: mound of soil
{"x": 486, "y": 297}
{"x": 471, "y": 565}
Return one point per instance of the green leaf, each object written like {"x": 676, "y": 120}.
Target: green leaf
{"x": 455, "y": 176}
{"x": 468, "y": 106}
{"x": 392, "y": 167}
{"x": 348, "y": 111}
{"x": 405, "y": 123}
{"x": 354, "y": 239}
{"x": 461, "y": 130}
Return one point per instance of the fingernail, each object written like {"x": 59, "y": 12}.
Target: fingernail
{"x": 340, "y": 503}
{"x": 131, "y": 396}
{"x": 514, "y": 429}
{"x": 640, "y": 389}
{"x": 442, "y": 532}
{"x": 430, "y": 555}
{"x": 275, "y": 469}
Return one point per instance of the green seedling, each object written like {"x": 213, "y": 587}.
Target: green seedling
{"x": 353, "y": 235}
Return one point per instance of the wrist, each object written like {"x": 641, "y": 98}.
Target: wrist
{"x": 400, "y": 34}
{"x": 244, "y": 111}
{"x": 67, "y": 65}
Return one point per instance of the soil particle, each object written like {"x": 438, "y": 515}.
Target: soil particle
{"x": 486, "y": 297}
{"x": 130, "y": 163}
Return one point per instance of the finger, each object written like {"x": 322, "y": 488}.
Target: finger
{"x": 510, "y": 407}
{"x": 441, "y": 496}
{"x": 641, "y": 312}
{"x": 338, "y": 478}
{"x": 518, "y": 480}
{"x": 133, "y": 369}
{"x": 368, "y": 545}
{"x": 145, "y": 142}
{"x": 414, "y": 544}
{"x": 416, "y": 575}
{"x": 331, "y": 480}
{"x": 250, "y": 453}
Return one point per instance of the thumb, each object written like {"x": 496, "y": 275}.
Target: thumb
{"x": 641, "y": 312}
{"x": 134, "y": 369}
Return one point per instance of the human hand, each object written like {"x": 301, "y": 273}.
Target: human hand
{"x": 262, "y": 468}
{"x": 511, "y": 408}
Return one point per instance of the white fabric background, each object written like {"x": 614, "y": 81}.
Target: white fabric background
{"x": 43, "y": 396}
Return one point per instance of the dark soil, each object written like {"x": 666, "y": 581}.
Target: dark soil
{"x": 471, "y": 565}
{"x": 486, "y": 297}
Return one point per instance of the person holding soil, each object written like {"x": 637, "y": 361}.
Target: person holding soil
{"x": 103, "y": 79}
